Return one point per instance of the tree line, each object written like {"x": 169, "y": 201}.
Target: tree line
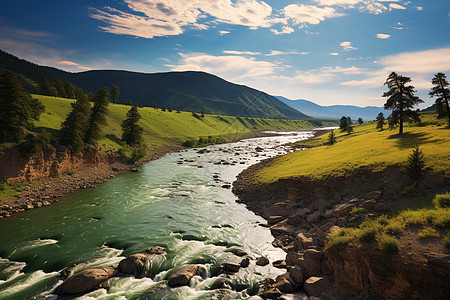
{"x": 82, "y": 126}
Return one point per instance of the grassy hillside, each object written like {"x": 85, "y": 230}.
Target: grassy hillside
{"x": 365, "y": 147}
{"x": 164, "y": 128}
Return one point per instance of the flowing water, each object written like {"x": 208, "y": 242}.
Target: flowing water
{"x": 180, "y": 201}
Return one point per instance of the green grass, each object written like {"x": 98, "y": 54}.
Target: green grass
{"x": 382, "y": 229}
{"x": 164, "y": 128}
{"x": 365, "y": 147}
{"x": 11, "y": 191}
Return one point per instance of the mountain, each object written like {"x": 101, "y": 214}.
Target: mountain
{"x": 191, "y": 91}
{"x": 368, "y": 113}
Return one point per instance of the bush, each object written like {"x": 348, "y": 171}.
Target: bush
{"x": 138, "y": 153}
{"x": 427, "y": 233}
{"x": 190, "y": 143}
{"x": 331, "y": 138}
{"x": 442, "y": 200}
{"x": 358, "y": 210}
{"x": 3, "y": 186}
{"x": 393, "y": 228}
{"x": 388, "y": 244}
{"x": 71, "y": 172}
{"x": 124, "y": 151}
{"x": 341, "y": 237}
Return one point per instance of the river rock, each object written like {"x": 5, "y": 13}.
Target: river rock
{"x": 156, "y": 250}
{"x": 369, "y": 204}
{"x": 311, "y": 262}
{"x": 301, "y": 242}
{"x": 86, "y": 280}
{"x": 293, "y": 258}
{"x": 262, "y": 261}
{"x": 280, "y": 264}
{"x": 342, "y": 210}
{"x": 245, "y": 262}
{"x": 314, "y": 286}
{"x": 182, "y": 276}
{"x": 274, "y": 219}
{"x": 134, "y": 264}
{"x": 67, "y": 270}
{"x": 296, "y": 273}
{"x": 231, "y": 267}
{"x": 271, "y": 293}
{"x": 375, "y": 195}
{"x": 238, "y": 252}
{"x": 282, "y": 228}
{"x": 283, "y": 284}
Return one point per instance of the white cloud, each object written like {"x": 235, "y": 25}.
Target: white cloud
{"x": 234, "y": 52}
{"x": 152, "y": 18}
{"x": 420, "y": 66}
{"x": 383, "y": 36}
{"x": 347, "y": 46}
{"x": 285, "y": 30}
{"x": 223, "y": 32}
{"x": 419, "y": 7}
{"x": 324, "y": 74}
{"x": 67, "y": 63}
{"x": 301, "y": 14}
{"x": 334, "y": 53}
{"x": 276, "y": 52}
{"x": 229, "y": 67}
{"x": 337, "y": 2}
{"x": 395, "y": 6}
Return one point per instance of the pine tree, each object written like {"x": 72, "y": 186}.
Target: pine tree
{"x": 18, "y": 109}
{"x": 132, "y": 132}
{"x": 331, "y": 138}
{"x": 114, "y": 94}
{"x": 401, "y": 100}
{"x": 343, "y": 123}
{"x": 74, "y": 128}
{"x": 415, "y": 166}
{"x": 98, "y": 116}
{"x": 380, "y": 121}
{"x": 360, "y": 121}
{"x": 441, "y": 90}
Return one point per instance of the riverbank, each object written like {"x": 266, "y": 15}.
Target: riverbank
{"x": 302, "y": 211}
{"x": 47, "y": 190}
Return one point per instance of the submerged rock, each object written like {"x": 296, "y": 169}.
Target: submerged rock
{"x": 183, "y": 276}
{"x": 86, "y": 280}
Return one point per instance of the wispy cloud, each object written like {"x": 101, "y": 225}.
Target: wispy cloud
{"x": 241, "y": 52}
{"x": 309, "y": 14}
{"x": 223, "y": 32}
{"x": 284, "y": 30}
{"x": 420, "y": 66}
{"x": 334, "y": 53}
{"x": 383, "y": 36}
{"x": 395, "y": 6}
{"x": 347, "y": 46}
{"x": 231, "y": 67}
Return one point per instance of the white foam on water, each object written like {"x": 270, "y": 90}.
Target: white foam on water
{"x": 31, "y": 279}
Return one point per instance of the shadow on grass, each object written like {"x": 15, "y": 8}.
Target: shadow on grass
{"x": 408, "y": 139}
{"x": 114, "y": 138}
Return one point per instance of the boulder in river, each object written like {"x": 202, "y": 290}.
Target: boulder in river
{"x": 156, "y": 250}
{"x": 262, "y": 261}
{"x": 231, "y": 268}
{"x": 86, "y": 280}
{"x": 134, "y": 264}
{"x": 182, "y": 276}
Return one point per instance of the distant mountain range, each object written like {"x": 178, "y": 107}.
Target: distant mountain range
{"x": 368, "y": 113}
{"x": 191, "y": 91}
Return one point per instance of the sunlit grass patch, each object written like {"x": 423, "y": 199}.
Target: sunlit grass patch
{"x": 428, "y": 232}
{"x": 388, "y": 244}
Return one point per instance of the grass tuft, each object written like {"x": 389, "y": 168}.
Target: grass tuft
{"x": 387, "y": 244}
{"x": 427, "y": 233}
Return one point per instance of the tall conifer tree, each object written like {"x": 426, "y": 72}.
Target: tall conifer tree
{"x": 98, "y": 116}
{"x": 132, "y": 132}
{"x": 74, "y": 128}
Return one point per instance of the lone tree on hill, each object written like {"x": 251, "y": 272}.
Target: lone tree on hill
{"x": 360, "y": 121}
{"x": 74, "y": 128}
{"x": 343, "y": 123}
{"x": 441, "y": 90}
{"x": 331, "y": 138}
{"x": 132, "y": 132}
{"x": 18, "y": 109}
{"x": 415, "y": 166}
{"x": 401, "y": 100}
{"x": 98, "y": 116}
{"x": 114, "y": 94}
{"x": 380, "y": 121}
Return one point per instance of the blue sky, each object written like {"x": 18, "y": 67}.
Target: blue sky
{"x": 326, "y": 51}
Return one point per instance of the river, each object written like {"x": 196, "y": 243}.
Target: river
{"x": 181, "y": 201}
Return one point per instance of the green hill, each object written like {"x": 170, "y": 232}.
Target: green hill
{"x": 189, "y": 91}
{"x": 164, "y": 128}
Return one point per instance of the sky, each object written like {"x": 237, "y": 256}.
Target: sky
{"x": 326, "y": 51}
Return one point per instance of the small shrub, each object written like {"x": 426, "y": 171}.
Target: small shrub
{"x": 447, "y": 241}
{"x": 331, "y": 138}
{"x": 124, "y": 151}
{"x": 3, "y": 186}
{"x": 383, "y": 220}
{"x": 441, "y": 219}
{"x": 190, "y": 143}
{"x": 393, "y": 227}
{"x": 415, "y": 166}
{"x": 428, "y": 233}
{"x": 341, "y": 237}
{"x": 388, "y": 244}
{"x": 358, "y": 210}
{"x": 442, "y": 200}
{"x": 367, "y": 234}
{"x": 138, "y": 153}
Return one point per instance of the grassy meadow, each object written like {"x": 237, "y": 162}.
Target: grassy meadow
{"x": 365, "y": 147}
{"x": 163, "y": 128}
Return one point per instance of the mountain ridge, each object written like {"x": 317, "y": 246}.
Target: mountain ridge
{"x": 189, "y": 90}
{"x": 310, "y": 108}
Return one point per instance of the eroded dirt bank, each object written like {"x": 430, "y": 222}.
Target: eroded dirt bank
{"x": 56, "y": 172}
{"x": 301, "y": 212}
